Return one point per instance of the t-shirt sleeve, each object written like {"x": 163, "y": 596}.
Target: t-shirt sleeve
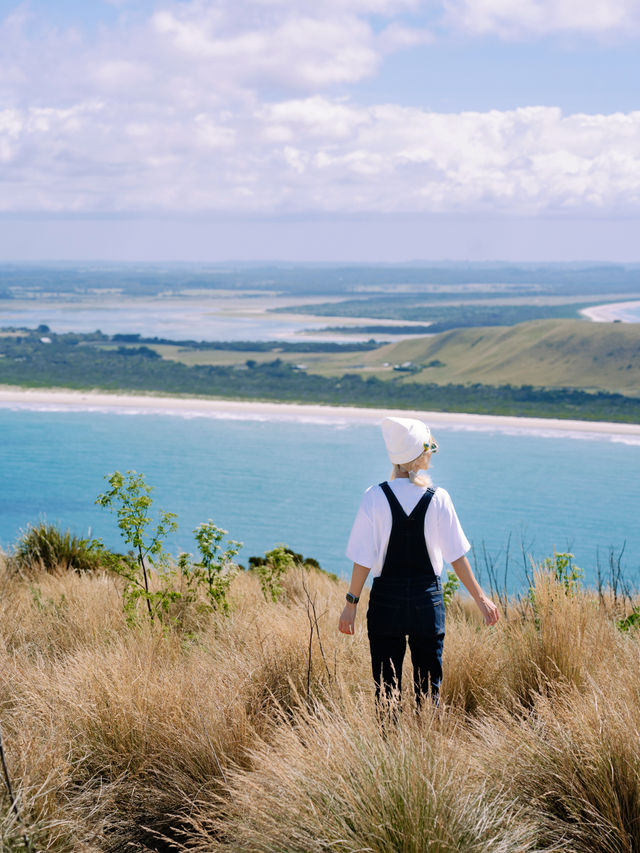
{"x": 361, "y": 545}
{"x": 453, "y": 542}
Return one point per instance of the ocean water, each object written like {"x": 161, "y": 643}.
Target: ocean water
{"x": 630, "y": 314}
{"x": 296, "y": 481}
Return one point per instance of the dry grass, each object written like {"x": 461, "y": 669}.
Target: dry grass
{"x": 121, "y": 738}
{"x": 575, "y": 762}
{"x": 333, "y": 779}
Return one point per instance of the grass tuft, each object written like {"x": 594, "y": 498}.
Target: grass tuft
{"x": 45, "y": 547}
{"x": 333, "y": 779}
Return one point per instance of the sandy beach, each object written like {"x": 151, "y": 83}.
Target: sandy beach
{"x": 65, "y": 400}
{"x": 613, "y": 311}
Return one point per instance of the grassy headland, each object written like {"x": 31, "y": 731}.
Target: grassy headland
{"x": 238, "y": 733}
{"x": 543, "y": 353}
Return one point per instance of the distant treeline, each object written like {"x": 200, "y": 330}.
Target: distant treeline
{"x": 381, "y": 330}
{"x": 72, "y": 338}
{"x": 441, "y": 318}
{"x": 251, "y": 346}
{"x": 74, "y": 361}
{"x": 152, "y": 279}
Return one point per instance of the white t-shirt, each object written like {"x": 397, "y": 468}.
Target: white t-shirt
{"x": 371, "y": 530}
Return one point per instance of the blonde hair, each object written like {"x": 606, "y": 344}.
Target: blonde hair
{"x": 413, "y": 469}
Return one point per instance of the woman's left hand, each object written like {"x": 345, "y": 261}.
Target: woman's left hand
{"x": 488, "y": 610}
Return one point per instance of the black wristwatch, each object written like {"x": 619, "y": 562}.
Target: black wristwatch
{"x": 352, "y": 599}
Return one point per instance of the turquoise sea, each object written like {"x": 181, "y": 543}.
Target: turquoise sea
{"x": 299, "y": 481}
{"x": 630, "y": 314}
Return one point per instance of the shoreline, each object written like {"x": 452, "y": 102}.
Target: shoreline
{"x": 53, "y": 399}
{"x": 611, "y": 311}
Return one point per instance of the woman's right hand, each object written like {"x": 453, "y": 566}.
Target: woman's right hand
{"x": 347, "y": 619}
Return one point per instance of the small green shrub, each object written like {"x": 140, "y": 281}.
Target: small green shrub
{"x": 559, "y": 568}
{"x": 631, "y": 622}
{"x": 216, "y": 568}
{"x": 563, "y": 570}
{"x": 256, "y": 563}
{"x": 45, "y": 547}
{"x": 450, "y": 587}
{"x": 271, "y": 569}
{"x": 129, "y": 496}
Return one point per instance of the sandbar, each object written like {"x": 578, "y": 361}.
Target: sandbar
{"x": 612, "y": 311}
{"x": 65, "y": 400}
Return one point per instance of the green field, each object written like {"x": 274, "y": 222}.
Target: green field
{"x": 546, "y": 353}
{"x": 543, "y": 353}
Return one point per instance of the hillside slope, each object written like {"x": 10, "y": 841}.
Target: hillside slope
{"x": 549, "y": 353}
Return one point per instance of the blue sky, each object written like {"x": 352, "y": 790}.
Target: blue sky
{"x": 485, "y": 74}
{"x": 348, "y": 130}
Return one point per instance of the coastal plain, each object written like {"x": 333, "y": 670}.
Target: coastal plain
{"x": 470, "y": 338}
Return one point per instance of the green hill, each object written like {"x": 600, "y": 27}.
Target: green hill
{"x": 545, "y": 353}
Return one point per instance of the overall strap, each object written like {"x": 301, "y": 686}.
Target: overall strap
{"x": 420, "y": 509}
{"x": 407, "y": 554}
{"x": 394, "y": 504}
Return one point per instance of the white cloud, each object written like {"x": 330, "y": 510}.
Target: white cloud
{"x": 230, "y": 48}
{"x": 319, "y": 155}
{"x": 285, "y": 46}
{"x": 509, "y": 18}
{"x": 315, "y": 117}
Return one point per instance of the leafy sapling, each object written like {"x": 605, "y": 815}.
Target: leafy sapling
{"x": 216, "y": 568}
{"x": 129, "y": 497}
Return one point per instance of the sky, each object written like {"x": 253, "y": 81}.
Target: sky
{"x": 346, "y": 130}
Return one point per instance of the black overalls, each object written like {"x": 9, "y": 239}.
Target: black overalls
{"x": 406, "y": 599}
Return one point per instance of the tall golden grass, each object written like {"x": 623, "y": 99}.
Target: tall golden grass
{"x": 228, "y": 736}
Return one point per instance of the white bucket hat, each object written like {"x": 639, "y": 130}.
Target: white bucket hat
{"x": 405, "y": 438}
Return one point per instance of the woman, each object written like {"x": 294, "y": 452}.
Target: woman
{"x": 402, "y": 534}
